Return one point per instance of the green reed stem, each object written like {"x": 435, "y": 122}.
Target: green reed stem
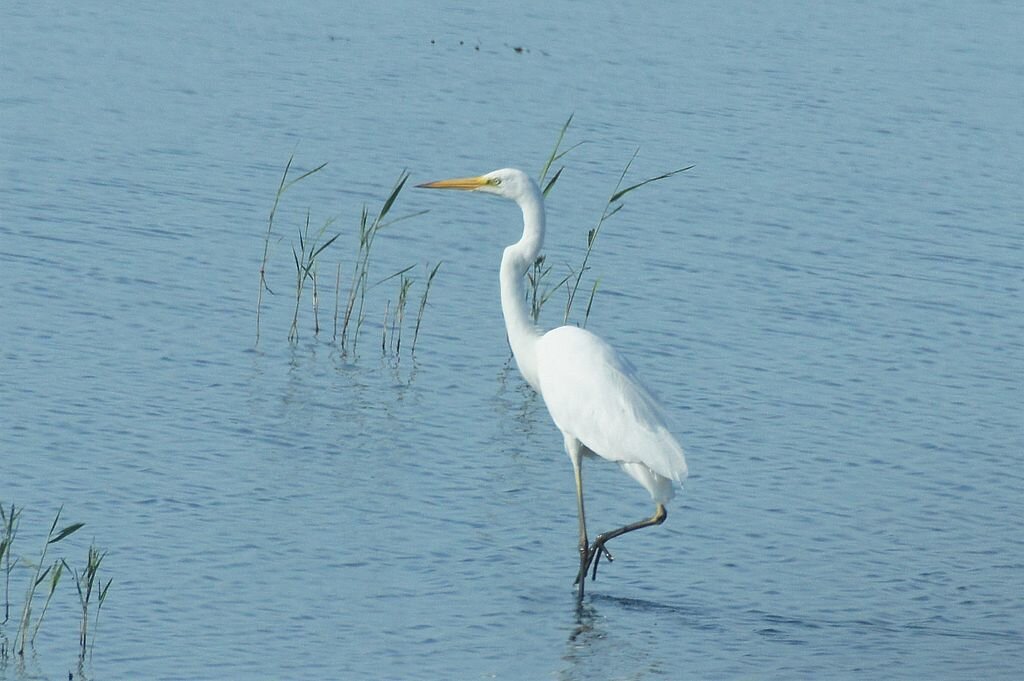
{"x": 9, "y": 522}
{"x": 88, "y": 585}
{"x": 39, "y": 575}
{"x": 284, "y": 185}
{"x": 423, "y": 306}
{"x": 612, "y": 206}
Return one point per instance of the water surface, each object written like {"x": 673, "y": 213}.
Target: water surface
{"x": 829, "y": 305}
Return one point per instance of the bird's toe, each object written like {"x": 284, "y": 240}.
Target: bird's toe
{"x": 596, "y": 551}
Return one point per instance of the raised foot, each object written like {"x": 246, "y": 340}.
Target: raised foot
{"x": 589, "y": 559}
{"x": 596, "y": 551}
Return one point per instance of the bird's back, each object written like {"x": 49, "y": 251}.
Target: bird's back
{"x": 594, "y": 395}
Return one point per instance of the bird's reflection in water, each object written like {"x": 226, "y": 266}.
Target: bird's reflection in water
{"x": 586, "y": 616}
{"x": 600, "y": 636}
{"x": 585, "y": 637}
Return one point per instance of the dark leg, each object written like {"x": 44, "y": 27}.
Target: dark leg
{"x": 594, "y": 554}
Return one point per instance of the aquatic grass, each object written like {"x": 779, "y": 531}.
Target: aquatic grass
{"x": 536, "y": 276}
{"x": 284, "y": 185}
{"x": 368, "y": 231}
{"x": 393, "y": 343}
{"x": 38, "y": 577}
{"x": 9, "y": 522}
{"x": 305, "y": 259}
{"x": 337, "y": 299}
{"x": 590, "y": 302}
{"x": 89, "y": 585}
{"x": 611, "y": 207}
{"x": 557, "y": 153}
{"x": 404, "y": 284}
{"x": 398, "y": 319}
{"x": 538, "y": 293}
{"x": 351, "y": 307}
{"x": 423, "y": 306}
{"x": 540, "y": 270}
{"x": 403, "y": 295}
{"x": 355, "y": 306}
{"x": 609, "y": 210}
{"x": 55, "y": 574}
{"x": 48, "y": 576}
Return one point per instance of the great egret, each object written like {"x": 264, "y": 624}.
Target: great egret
{"x": 592, "y": 393}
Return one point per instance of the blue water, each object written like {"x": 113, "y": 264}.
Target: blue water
{"x": 829, "y": 305}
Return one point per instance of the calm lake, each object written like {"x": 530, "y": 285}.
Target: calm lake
{"x": 829, "y": 304}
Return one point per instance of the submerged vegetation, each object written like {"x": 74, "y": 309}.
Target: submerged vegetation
{"x": 44, "y": 574}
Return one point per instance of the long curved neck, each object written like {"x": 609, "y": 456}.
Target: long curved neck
{"x": 516, "y": 260}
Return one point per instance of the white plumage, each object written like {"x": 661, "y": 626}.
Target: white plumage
{"x": 593, "y": 395}
{"x": 591, "y": 392}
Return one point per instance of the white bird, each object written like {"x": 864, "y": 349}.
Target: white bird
{"x": 592, "y": 393}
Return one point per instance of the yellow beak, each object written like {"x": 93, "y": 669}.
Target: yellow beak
{"x": 464, "y": 183}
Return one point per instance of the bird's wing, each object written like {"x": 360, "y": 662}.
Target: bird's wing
{"x": 594, "y": 395}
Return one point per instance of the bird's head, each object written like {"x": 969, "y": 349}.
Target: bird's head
{"x": 510, "y": 183}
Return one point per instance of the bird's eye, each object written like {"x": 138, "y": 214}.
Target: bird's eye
{"x": 495, "y": 181}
